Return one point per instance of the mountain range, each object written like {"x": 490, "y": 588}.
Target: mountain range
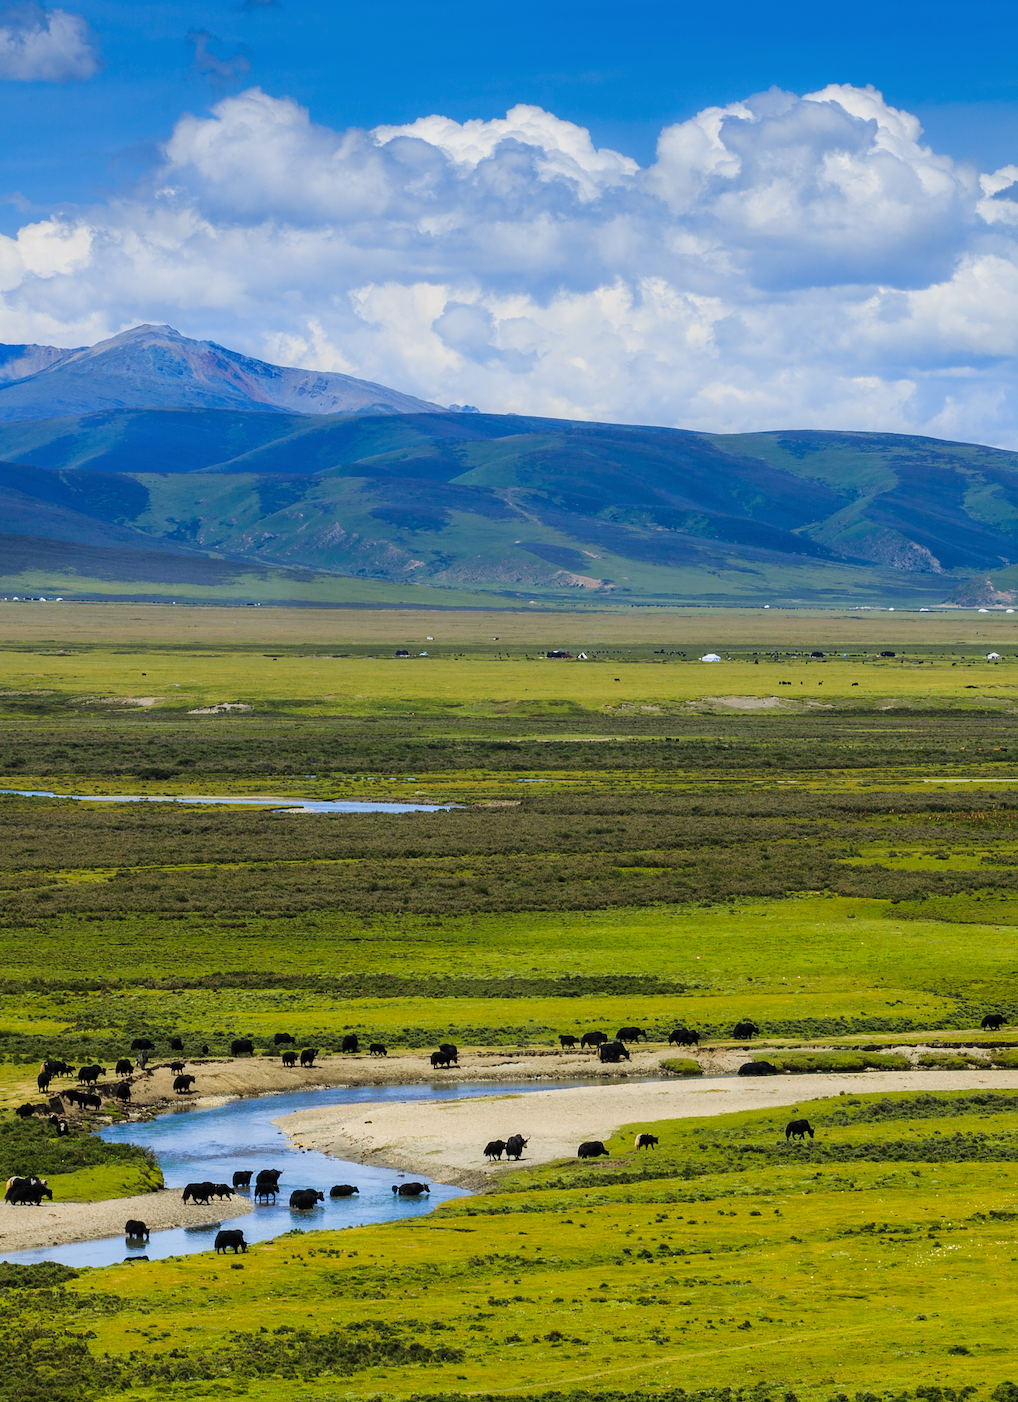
{"x": 151, "y": 463}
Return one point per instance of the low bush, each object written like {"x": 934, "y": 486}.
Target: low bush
{"x": 800, "y": 1063}
{"x": 682, "y": 1066}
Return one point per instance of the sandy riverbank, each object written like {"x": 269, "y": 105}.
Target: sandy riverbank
{"x": 444, "y": 1140}
{"x": 58, "y": 1223}
{"x": 219, "y": 1080}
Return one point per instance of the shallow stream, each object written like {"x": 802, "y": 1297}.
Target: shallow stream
{"x": 195, "y": 1145}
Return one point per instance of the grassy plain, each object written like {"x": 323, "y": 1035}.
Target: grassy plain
{"x": 812, "y": 865}
{"x": 872, "y": 1261}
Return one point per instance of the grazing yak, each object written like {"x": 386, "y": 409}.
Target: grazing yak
{"x": 141, "y": 1044}
{"x": 494, "y": 1149}
{"x": 630, "y": 1034}
{"x": 441, "y": 1058}
{"x": 745, "y": 1029}
{"x": 280, "y": 1038}
{"x": 304, "y": 1199}
{"x": 410, "y": 1190}
{"x": 343, "y": 1190}
{"x": 646, "y": 1141}
{"x": 176, "y": 1044}
{"x": 30, "y": 1190}
{"x": 378, "y": 1049}
{"x": 612, "y": 1052}
{"x": 182, "y": 1084}
{"x": 592, "y": 1040}
{"x": 349, "y": 1043}
{"x": 88, "y": 1075}
{"x": 125, "y": 1067}
{"x": 758, "y": 1068}
{"x": 223, "y": 1190}
{"x": 122, "y": 1092}
{"x": 798, "y": 1129}
{"x": 289, "y": 1060}
{"x": 26, "y": 1111}
{"x": 514, "y": 1146}
{"x": 42, "y": 1081}
{"x": 230, "y": 1240}
{"x": 177, "y": 1066}
{"x": 993, "y": 1022}
{"x": 242, "y": 1046}
{"x": 135, "y": 1230}
{"x": 59, "y": 1125}
{"x": 82, "y": 1099}
{"x": 567, "y": 1041}
{"x": 242, "y": 1179}
{"x": 683, "y": 1037}
{"x": 593, "y": 1149}
{"x": 307, "y": 1056}
{"x": 198, "y": 1192}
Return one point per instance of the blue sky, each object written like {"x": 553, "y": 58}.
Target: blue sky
{"x": 737, "y": 216}
{"x": 622, "y": 71}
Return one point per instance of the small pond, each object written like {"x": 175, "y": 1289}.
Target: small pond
{"x": 305, "y": 805}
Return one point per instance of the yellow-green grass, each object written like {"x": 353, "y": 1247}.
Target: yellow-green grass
{"x": 104, "y": 1181}
{"x": 800, "y": 1274}
{"x": 262, "y": 1012}
{"x": 384, "y": 685}
{"x": 127, "y": 624}
{"x": 777, "y": 962}
{"x": 828, "y": 945}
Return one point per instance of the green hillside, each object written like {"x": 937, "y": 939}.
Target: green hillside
{"x": 517, "y": 508}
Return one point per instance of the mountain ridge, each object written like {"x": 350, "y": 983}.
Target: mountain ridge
{"x": 519, "y": 508}
{"x": 150, "y": 367}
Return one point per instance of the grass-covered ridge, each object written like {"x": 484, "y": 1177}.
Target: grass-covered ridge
{"x": 78, "y": 1166}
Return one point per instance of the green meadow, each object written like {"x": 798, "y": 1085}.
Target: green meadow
{"x": 635, "y": 838}
{"x": 871, "y": 1261}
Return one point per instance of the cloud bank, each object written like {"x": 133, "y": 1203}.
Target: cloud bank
{"x": 49, "y": 46}
{"x": 785, "y": 262}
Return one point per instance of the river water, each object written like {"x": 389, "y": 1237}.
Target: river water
{"x": 195, "y": 1145}
{"x": 306, "y": 805}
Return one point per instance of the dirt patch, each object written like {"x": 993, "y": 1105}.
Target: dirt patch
{"x": 747, "y": 703}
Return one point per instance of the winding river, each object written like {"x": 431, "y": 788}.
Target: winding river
{"x": 193, "y": 1145}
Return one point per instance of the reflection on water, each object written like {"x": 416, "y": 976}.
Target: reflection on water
{"x": 193, "y": 1145}
{"x": 306, "y": 805}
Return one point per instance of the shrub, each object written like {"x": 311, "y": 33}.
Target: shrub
{"x": 682, "y": 1066}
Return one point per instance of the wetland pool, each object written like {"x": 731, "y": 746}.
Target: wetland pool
{"x": 194, "y": 1145}
{"x": 300, "y": 805}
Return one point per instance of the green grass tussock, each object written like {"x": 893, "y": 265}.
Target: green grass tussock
{"x": 802, "y": 1063}
{"x": 682, "y": 1066}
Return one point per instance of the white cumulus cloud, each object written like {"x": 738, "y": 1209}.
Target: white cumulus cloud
{"x": 786, "y": 261}
{"x": 50, "y": 46}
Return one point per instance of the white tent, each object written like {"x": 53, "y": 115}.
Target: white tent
{"x": 993, "y": 657}
{"x": 710, "y": 657}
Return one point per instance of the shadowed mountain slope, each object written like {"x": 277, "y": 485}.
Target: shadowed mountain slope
{"x": 524, "y": 508}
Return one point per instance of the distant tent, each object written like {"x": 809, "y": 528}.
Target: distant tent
{"x": 993, "y": 657}
{"x": 710, "y": 657}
